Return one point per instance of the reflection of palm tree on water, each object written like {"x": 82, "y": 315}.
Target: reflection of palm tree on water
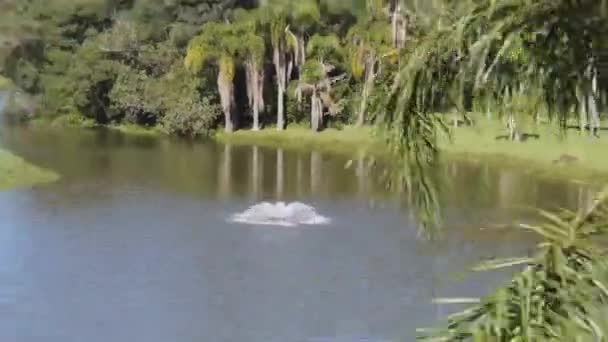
{"x": 225, "y": 172}
{"x": 280, "y": 174}
{"x": 257, "y": 170}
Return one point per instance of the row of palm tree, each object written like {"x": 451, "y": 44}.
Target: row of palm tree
{"x": 289, "y": 36}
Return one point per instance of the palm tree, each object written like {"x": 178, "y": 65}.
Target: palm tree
{"x": 368, "y": 44}
{"x": 561, "y": 294}
{"x": 274, "y": 14}
{"x": 326, "y": 52}
{"x": 303, "y": 17}
{"x": 249, "y": 27}
{"x": 217, "y": 44}
{"x": 288, "y": 21}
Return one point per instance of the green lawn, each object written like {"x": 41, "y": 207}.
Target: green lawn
{"x": 17, "y": 173}
{"x": 347, "y": 140}
{"x": 467, "y": 142}
{"x": 534, "y": 154}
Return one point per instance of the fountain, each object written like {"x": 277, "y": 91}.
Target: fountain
{"x": 280, "y": 214}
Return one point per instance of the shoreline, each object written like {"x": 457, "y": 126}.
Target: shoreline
{"x": 471, "y": 144}
{"x": 475, "y": 144}
{"x": 17, "y": 173}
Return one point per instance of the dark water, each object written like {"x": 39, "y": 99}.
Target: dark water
{"x": 132, "y": 244}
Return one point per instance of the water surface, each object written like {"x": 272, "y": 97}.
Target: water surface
{"x": 132, "y": 244}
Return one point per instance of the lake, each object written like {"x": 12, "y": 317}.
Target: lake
{"x": 134, "y": 242}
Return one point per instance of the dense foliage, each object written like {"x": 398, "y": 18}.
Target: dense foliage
{"x": 178, "y": 64}
{"x": 112, "y": 61}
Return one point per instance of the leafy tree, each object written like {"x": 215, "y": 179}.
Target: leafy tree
{"x": 317, "y": 80}
{"x": 218, "y": 44}
{"x": 369, "y": 46}
{"x": 254, "y": 51}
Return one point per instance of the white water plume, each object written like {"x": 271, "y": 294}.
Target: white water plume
{"x": 280, "y": 214}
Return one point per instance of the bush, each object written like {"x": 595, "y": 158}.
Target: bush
{"x": 186, "y": 110}
{"x": 191, "y": 117}
{"x": 296, "y": 113}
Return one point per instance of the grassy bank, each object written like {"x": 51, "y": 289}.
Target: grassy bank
{"x": 549, "y": 151}
{"x": 77, "y": 121}
{"x": 478, "y": 142}
{"x": 17, "y": 173}
{"x": 347, "y": 140}
{"x": 473, "y": 143}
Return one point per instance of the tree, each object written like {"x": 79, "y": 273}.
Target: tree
{"x": 275, "y": 17}
{"x": 368, "y": 44}
{"x": 217, "y": 44}
{"x": 317, "y": 80}
{"x": 254, "y": 50}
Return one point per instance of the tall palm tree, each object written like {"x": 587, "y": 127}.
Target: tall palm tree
{"x": 369, "y": 43}
{"x": 325, "y": 53}
{"x": 275, "y": 15}
{"x": 217, "y": 44}
{"x": 250, "y": 30}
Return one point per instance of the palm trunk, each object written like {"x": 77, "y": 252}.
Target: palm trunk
{"x": 592, "y": 105}
{"x": 259, "y": 105}
{"x": 253, "y": 92}
{"x": 282, "y": 72}
{"x": 226, "y": 90}
{"x": 582, "y": 110}
{"x": 316, "y": 110}
{"x": 370, "y": 77}
{"x": 594, "y": 115}
{"x": 281, "y": 107}
{"x": 300, "y": 60}
{"x": 399, "y": 25}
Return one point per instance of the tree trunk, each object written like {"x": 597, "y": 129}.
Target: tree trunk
{"x": 513, "y": 131}
{"x": 278, "y": 58}
{"x": 260, "y": 93}
{"x": 316, "y": 111}
{"x": 582, "y": 110}
{"x": 226, "y": 90}
{"x": 592, "y": 105}
{"x": 594, "y": 115}
{"x": 300, "y": 60}
{"x": 370, "y": 77}
{"x": 399, "y": 25}
{"x": 256, "y": 118}
{"x": 253, "y": 91}
{"x": 281, "y": 108}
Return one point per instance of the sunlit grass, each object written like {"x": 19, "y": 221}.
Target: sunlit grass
{"x": 133, "y": 129}
{"x": 584, "y": 154}
{"x": 17, "y": 173}
{"x": 5, "y": 83}
{"x": 346, "y": 140}
{"x": 477, "y": 142}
